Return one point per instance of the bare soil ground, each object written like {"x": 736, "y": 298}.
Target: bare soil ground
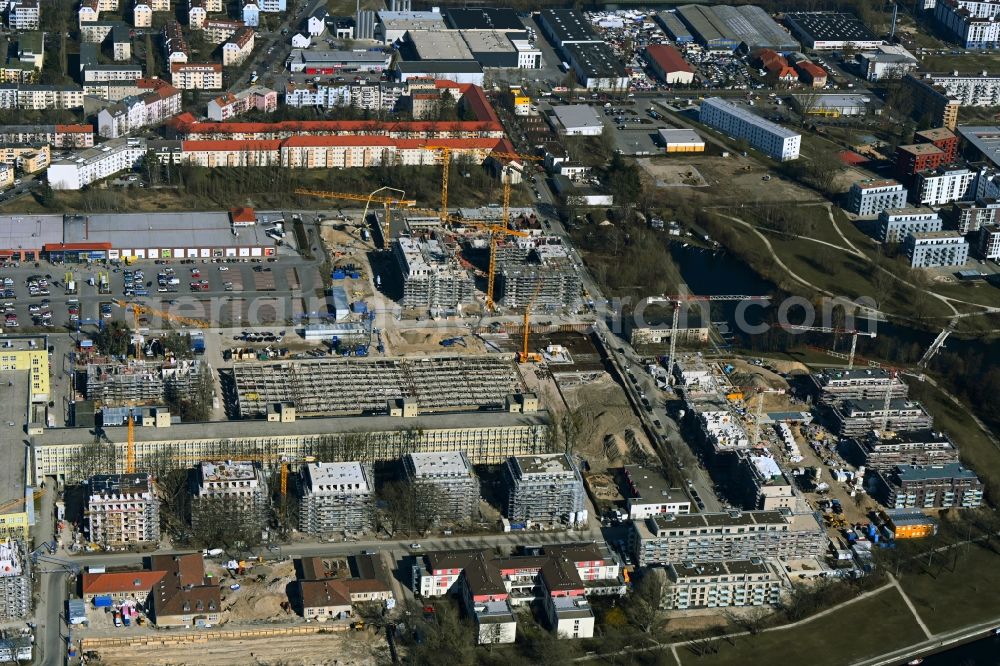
{"x": 605, "y": 416}
{"x": 361, "y": 648}
{"x": 428, "y": 340}
{"x": 740, "y": 177}
{"x": 672, "y": 174}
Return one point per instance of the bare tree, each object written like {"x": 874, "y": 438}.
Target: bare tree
{"x": 648, "y": 602}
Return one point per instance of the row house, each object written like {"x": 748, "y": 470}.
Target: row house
{"x": 175, "y": 46}
{"x": 58, "y": 136}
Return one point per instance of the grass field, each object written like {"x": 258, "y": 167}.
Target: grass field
{"x": 864, "y": 629}
{"x": 960, "y": 590}
{"x": 963, "y": 63}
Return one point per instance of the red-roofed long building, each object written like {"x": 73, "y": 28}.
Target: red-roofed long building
{"x": 668, "y": 64}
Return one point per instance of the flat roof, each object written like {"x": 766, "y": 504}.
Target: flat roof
{"x": 985, "y": 138}
{"x": 448, "y": 463}
{"x": 488, "y": 41}
{"x": 14, "y": 396}
{"x": 338, "y": 474}
{"x": 439, "y": 45}
{"x": 179, "y": 229}
{"x": 244, "y": 429}
{"x": 569, "y": 25}
{"x": 953, "y": 234}
{"x": 672, "y": 135}
{"x": 231, "y": 470}
{"x": 748, "y": 116}
{"x": 921, "y": 149}
{"x": 439, "y": 66}
{"x": 548, "y": 463}
{"x": 503, "y": 19}
{"x": 946, "y": 471}
{"x": 834, "y": 100}
{"x": 874, "y": 183}
{"x": 577, "y": 115}
{"x": 412, "y": 20}
{"x": 597, "y": 60}
{"x": 909, "y": 517}
{"x": 30, "y": 231}
{"x": 831, "y": 27}
{"x": 936, "y": 134}
{"x": 651, "y": 486}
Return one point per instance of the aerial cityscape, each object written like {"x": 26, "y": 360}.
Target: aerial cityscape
{"x": 392, "y": 332}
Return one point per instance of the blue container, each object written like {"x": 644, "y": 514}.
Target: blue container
{"x": 359, "y": 307}
{"x": 338, "y": 275}
{"x": 103, "y": 602}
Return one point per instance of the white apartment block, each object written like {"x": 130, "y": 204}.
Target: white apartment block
{"x": 895, "y": 224}
{"x": 932, "y": 249}
{"x": 40, "y": 97}
{"x": 650, "y": 494}
{"x": 944, "y": 185}
{"x": 336, "y": 498}
{"x": 871, "y": 197}
{"x": 377, "y": 95}
{"x": 122, "y": 510}
{"x": 251, "y": 13}
{"x": 217, "y": 31}
{"x": 751, "y": 582}
{"x": 142, "y": 14}
{"x": 23, "y": 15}
{"x": 102, "y": 73}
{"x": 978, "y": 89}
{"x": 971, "y": 22}
{"x": 989, "y": 241}
{"x": 770, "y": 138}
{"x": 196, "y": 76}
{"x": 273, "y": 6}
{"x": 238, "y": 48}
{"x": 238, "y": 483}
{"x": 134, "y": 112}
{"x": 93, "y": 164}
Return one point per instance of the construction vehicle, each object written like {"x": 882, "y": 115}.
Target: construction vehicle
{"x": 854, "y": 333}
{"x": 139, "y": 310}
{"x": 387, "y": 203}
{"x": 451, "y": 342}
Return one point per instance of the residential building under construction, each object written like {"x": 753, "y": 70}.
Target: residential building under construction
{"x": 15, "y": 581}
{"x": 241, "y": 485}
{"x": 835, "y": 385}
{"x": 122, "y": 510}
{"x": 433, "y": 276}
{"x": 455, "y": 487}
{"x": 539, "y": 272}
{"x": 545, "y": 489}
{"x": 140, "y": 382}
{"x": 336, "y": 498}
{"x": 856, "y": 417}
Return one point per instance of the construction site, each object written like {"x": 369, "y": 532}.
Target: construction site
{"x": 362, "y": 385}
{"x": 139, "y": 382}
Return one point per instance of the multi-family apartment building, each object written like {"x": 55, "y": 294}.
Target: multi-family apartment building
{"x": 769, "y": 138}
{"x": 40, "y": 97}
{"x": 989, "y": 241}
{"x": 895, "y": 224}
{"x": 24, "y": 15}
{"x": 142, "y": 14}
{"x": 336, "y": 498}
{"x": 933, "y": 487}
{"x": 856, "y": 417}
{"x": 762, "y": 484}
{"x": 650, "y": 494}
{"x": 58, "y": 136}
{"x": 196, "y": 76}
{"x": 133, "y": 113}
{"x": 732, "y": 535}
{"x": 931, "y": 249}
{"x": 217, "y": 31}
{"x": 251, "y": 13}
{"x": 230, "y": 105}
{"x": 940, "y": 137}
{"x": 241, "y": 485}
{"x": 122, "y": 510}
{"x": 943, "y": 185}
{"x": 15, "y": 581}
{"x": 175, "y": 46}
{"x": 916, "y": 157}
{"x": 373, "y": 95}
{"x": 432, "y": 276}
{"x": 970, "y": 22}
{"x": 544, "y": 489}
{"x": 238, "y": 47}
{"x": 884, "y": 451}
{"x": 27, "y": 158}
{"x": 746, "y": 582}
{"x": 446, "y": 479}
{"x": 970, "y": 216}
{"x": 93, "y": 164}
{"x": 871, "y": 197}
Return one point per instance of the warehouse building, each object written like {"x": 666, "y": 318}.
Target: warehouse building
{"x": 392, "y": 25}
{"x": 453, "y": 484}
{"x": 495, "y": 48}
{"x": 578, "y": 120}
{"x": 485, "y": 436}
{"x": 483, "y": 19}
{"x": 894, "y": 225}
{"x": 313, "y": 61}
{"x": 122, "y": 510}
{"x": 984, "y": 140}
{"x": 871, "y": 197}
{"x": 707, "y": 28}
{"x": 888, "y": 61}
{"x": 731, "y": 535}
{"x": 563, "y": 27}
{"x": 729, "y": 583}
{"x": 669, "y": 65}
{"x": 833, "y": 105}
{"x": 674, "y": 27}
{"x": 597, "y": 67}
{"x": 770, "y": 138}
{"x": 459, "y": 71}
{"x": 831, "y": 31}
{"x": 936, "y": 487}
{"x": 438, "y": 45}
{"x": 238, "y": 485}
{"x": 681, "y": 141}
{"x": 336, "y": 497}
{"x": 747, "y": 27}
{"x": 544, "y": 489}
{"x": 884, "y": 451}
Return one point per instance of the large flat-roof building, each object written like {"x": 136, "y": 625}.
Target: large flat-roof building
{"x": 732, "y": 535}
{"x": 597, "y": 67}
{"x": 856, "y": 417}
{"x": 535, "y": 271}
{"x": 336, "y": 498}
{"x": 769, "y": 138}
{"x": 238, "y": 486}
{"x": 871, "y": 197}
{"x": 984, "y": 139}
{"x": 483, "y": 19}
{"x": 831, "y": 30}
{"x": 883, "y": 451}
{"x": 833, "y": 386}
{"x": 650, "y": 494}
{"x": 972, "y": 23}
{"x": 392, "y": 25}
{"x": 894, "y": 225}
{"x": 122, "y": 510}
{"x": 933, "y": 249}
{"x": 566, "y": 26}
{"x": 433, "y": 278}
{"x": 578, "y": 120}
{"x": 97, "y": 163}
{"x": 450, "y": 481}
{"x": 729, "y": 583}
{"x": 723, "y": 27}
{"x": 544, "y": 489}
{"x": 934, "y": 487}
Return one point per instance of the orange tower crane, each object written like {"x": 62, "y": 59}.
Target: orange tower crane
{"x": 387, "y": 203}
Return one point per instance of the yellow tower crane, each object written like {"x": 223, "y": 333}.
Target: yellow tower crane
{"x": 506, "y": 159}
{"x": 130, "y": 447}
{"x": 387, "y": 203}
{"x": 525, "y": 356}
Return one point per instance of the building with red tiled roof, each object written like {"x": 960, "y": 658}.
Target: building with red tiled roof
{"x": 120, "y": 586}
{"x": 184, "y": 597}
{"x": 317, "y": 596}
{"x": 811, "y": 73}
{"x": 242, "y": 217}
{"x": 668, "y": 64}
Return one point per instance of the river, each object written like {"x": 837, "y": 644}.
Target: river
{"x": 984, "y": 652}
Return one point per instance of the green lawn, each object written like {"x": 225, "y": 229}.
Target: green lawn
{"x": 863, "y": 629}
{"x": 959, "y": 591}
{"x": 963, "y": 63}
